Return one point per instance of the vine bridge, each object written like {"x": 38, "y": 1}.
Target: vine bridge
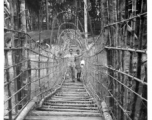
{"x": 112, "y": 38}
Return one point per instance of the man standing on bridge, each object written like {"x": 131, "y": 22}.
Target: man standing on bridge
{"x": 71, "y": 63}
{"x": 77, "y": 65}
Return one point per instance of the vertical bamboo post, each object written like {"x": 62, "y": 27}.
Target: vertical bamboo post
{"x": 52, "y": 69}
{"x": 130, "y": 65}
{"x": 8, "y": 86}
{"x": 23, "y": 44}
{"x": 123, "y": 81}
{"x": 103, "y": 19}
{"x": 125, "y": 77}
{"x": 119, "y": 93}
{"x": 86, "y": 22}
{"x": 102, "y": 14}
{"x": 121, "y": 56}
{"x": 13, "y": 53}
{"x": 113, "y": 55}
{"x": 17, "y": 56}
{"x": 23, "y": 15}
{"x": 143, "y": 91}
{"x": 39, "y": 74}
{"x": 47, "y": 15}
{"x": 138, "y": 86}
{"x": 132, "y": 43}
{"x": 31, "y": 19}
{"x": 111, "y": 102}
{"x": 55, "y": 71}
{"x": 134, "y": 2}
{"x": 29, "y": 79}
{"x": 47, "y": 68}
{"x": 28, "y": 64}
{"x": 98, "y": 75}
{"x": 116, "y": 56}
{"x": 76, "y": 14}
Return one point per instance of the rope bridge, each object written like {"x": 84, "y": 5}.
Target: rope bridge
{"x": 114, "y": 80}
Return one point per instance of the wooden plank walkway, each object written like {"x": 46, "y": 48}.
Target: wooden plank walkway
{"x": 72, "y": 102}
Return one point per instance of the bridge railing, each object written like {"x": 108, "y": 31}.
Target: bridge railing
{"x": 30, "y": 70}
{"x": 116, "y": 67}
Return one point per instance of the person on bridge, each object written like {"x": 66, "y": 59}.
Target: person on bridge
{"x": 71, "y": 64}
{"x": 82, "y": 64}
{"x": 77, "y": 64}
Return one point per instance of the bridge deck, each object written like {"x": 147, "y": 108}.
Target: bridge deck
{"x": 71, "y": 102}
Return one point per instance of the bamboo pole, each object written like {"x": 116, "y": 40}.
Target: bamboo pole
{"x": 109, "y": 52}
{"x": 141, "y": 112}
{"x": 102, "y": 14}
{"x": 106, "y": 114}
{"x": 130, "y": 83}
{"x": 39, "y": 74}
{"x": 119, "y": 58}
{"x": 47, "y": 15}
{"x": 120, "y": 77}
{"x": 29, "y": 79}
{"x": 26, "y": 110}
{"x": 132, "y": 39}
{"x": 23, "y": 15}
{"x": 125, "y": 77}
{"x": 13, "y": 53}
{"x": 103, "y": 17}
{"x": 127, "y": 49}
{"x": 27, "y": 63}
{"x": 52, "y": 29}
{"x": 111, "y": 60}
{"x": 86, "y": 22}
{"x": 8, "y": 87}
{"x": 17, "y": 56}
{"x": 116, "y": 55}
{"x": 48, "y": 68}
{"x": 23, "y": 44}
{"x": 139, "y": 86}
{"x": 143, "y": 91}
{"x": 113, "y": 38}
{"x": 122, "y": 69}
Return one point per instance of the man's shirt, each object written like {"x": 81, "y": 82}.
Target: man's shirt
{"x": 77, "y": 61}
{"x": 71, "y": 59}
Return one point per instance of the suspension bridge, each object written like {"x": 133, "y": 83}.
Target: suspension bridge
{"x": 37, "y": 81}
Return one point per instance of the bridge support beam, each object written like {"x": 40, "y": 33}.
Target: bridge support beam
{"x": 105, "y": 110}
{"x": 26, "y": 110}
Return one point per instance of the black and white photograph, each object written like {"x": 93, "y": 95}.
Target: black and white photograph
{"x": 75, "y": 60}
